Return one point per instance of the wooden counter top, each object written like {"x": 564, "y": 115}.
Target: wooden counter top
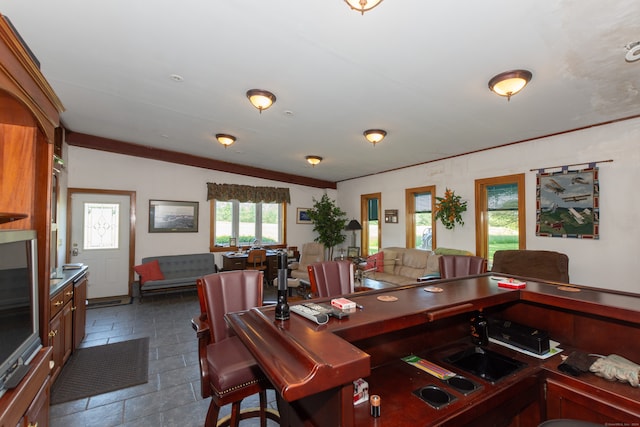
{"x": 303, "y": 359}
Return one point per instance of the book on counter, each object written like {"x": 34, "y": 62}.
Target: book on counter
{"x": 73, "y": 266}
{"x": 511, "y": 284}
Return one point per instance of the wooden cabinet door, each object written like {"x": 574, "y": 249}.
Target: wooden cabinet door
{"x": 79, "y": 311}
{"x": 67, "y": 331}
{"x": 564, "y": 401}
{"x": 55, "y": 341}
{"x": 38, "y": 412}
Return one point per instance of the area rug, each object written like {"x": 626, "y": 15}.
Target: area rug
{"x": 108, "y": 302}
{"x": 95, "y": 370}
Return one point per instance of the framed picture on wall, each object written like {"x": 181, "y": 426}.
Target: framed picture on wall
{"x": 353, "y": 252}
{"x": 302, "y": 216}
{"x": 166, "y": 216}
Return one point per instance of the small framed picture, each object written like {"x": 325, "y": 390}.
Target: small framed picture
{"x": 233, "y": 242}
{"x": 353, "y": 252}
{"x": 302, "y": 216}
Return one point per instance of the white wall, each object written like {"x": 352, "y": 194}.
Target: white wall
{"x": 607, "y": 263}
{"x": 157, "y": 180}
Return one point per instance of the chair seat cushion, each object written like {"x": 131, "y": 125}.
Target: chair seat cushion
{"x": 231, "y": 366}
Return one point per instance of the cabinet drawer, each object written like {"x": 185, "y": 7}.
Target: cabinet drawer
{"x": 60, "y": 298}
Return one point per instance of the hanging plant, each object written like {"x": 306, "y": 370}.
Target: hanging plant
{"x": 449, "y": 209}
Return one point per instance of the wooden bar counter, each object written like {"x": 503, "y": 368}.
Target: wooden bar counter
{"x": 312, "y": 367}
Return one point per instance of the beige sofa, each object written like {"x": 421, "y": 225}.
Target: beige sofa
{"x": 402, "y": 266}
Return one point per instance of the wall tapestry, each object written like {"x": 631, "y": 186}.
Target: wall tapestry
{"x": 568, "y": 203}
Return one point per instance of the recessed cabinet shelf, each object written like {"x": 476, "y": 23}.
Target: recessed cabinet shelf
{"x": 9, "y": 216}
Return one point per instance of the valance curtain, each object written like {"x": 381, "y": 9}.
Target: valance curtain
{"x": 247, "y": 193}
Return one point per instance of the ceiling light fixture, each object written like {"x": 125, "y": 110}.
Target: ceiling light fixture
{"x": 362, "y": 6}
{"x": 225, "y": 139}
{"x": 261, "y": 99}
{"x": 313, "y": 160}
{"x": 510, "y": 82}
{"x": 375, "y": 135}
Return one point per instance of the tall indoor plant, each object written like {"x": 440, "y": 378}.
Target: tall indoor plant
{"x": 329, "y": 222}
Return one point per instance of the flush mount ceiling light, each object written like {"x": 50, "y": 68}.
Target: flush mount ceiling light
{"x": 362, "y": 6}
{"x": 375, "y": 135}
{"x": 225, "y": 139}
{"x": 313, "y": 160}
{"x": 510, "y": 82}
{"x": 261, "y": 99}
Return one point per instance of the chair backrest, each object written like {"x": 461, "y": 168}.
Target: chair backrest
{"x": 331, "y": 278}
{"x": 311, "y": 252}
{"x": 461, "y": 265}
{"x": 257, "y": 257}
{"x": 545, "y": 265}
{"x": 226, "y": 292}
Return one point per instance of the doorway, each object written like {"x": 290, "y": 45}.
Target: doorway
{"x": 101, "y": 234}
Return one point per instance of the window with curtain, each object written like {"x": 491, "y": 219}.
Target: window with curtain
{"x": 500, "y": 215}
{"x": 247, "y": 214}
{"x": 419, "y": 229}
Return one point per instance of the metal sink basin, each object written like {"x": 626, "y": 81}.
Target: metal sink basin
{"x": 53, "y": 282}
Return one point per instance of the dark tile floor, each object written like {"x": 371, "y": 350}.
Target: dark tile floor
{"x": 172, "y": 395}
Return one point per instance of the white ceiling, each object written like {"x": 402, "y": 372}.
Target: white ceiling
{"x": 418, "y": 69}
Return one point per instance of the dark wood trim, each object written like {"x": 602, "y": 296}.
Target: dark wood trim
{"x": 132, "y": 221}
{"x": 535, "y": 138}
{"x": 127, "y": 148}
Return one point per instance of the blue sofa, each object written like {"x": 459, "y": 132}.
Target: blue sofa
{"x": 179, "y": 271}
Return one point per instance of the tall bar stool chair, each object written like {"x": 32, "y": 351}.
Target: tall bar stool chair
{"x": 331, "y": 278}
{"x": 461, "y": 265}
{"x": 228, "y": 371}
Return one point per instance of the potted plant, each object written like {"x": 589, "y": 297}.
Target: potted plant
{"x": 449, "y": 209}
{"x": 329, "y": 222}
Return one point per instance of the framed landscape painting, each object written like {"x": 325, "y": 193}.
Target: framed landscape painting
{"x": 568, "y": 204}
{"x": 302, "y": 216}
{"x": 166, "y": 216}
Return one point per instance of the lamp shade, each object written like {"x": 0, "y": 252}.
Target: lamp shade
{"x": 225, "y": 139}
{"x": 510, "y": 82}
{"x": 362, "y": 6}
{"x": 261, "y": 99}
{"x": 353, "y": 225}
{"x": 375, "y": 135}
{"x": 313, "y": 160}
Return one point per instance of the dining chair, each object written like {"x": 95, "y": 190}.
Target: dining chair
{"x": 228, "y": 371}
{"x": 331, "y": 278}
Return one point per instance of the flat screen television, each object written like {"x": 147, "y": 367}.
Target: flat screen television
{"x": 19, "y": 330}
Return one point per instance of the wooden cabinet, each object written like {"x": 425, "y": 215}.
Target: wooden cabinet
{"x": 28, "y": 403}
{"x": 565, "y": 400}
{"x": 61, "y": 327}
{"x": 79, "y": 310}
{"x": 38, "y": 412}
{"x": 68, "y": 318}
{"x": 29, "y": 114}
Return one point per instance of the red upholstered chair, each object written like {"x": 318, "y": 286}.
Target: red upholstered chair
{"x": 228, "y": 371}
{"x": 461, "y": 265}
{"x": 331, "y": 278}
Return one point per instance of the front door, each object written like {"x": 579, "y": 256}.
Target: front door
{"x": 100, "y": 239}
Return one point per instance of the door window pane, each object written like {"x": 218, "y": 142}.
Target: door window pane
{"x": 101, "y": 225}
